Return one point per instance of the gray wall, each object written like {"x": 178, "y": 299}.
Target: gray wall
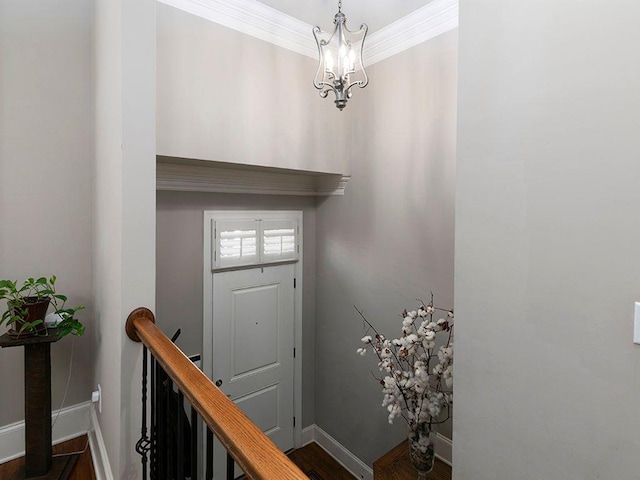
{"x": 547, "y": 264}
{"x": 389, "y": 240}
{"x": 46, "y": 176}
{"x": 227, "y": 96}
{"x": 179, "y": 299}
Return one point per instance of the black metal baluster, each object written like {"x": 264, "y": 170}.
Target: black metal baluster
{"x": 173, "y": 452}
{"x": 143, "y": 445}
{"x": 161, "y": 424}
{"x": 180, "y": 452}
{"x": 230, "y": 467}
{"x": 194, "y": 443}
{"x": 170, "y": 440}
{"x": 209, "y": 475}
{"x": 154, "y": 430}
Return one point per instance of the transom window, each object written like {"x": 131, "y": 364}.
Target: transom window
{"x": 254, "y": 242}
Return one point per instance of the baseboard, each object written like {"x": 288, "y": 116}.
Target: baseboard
{"x": 348, "y": 460}
{"x": 338, "y": 451}
{"x": 443, "y": 447}
{"x": 101, "y": 464}
{"x": 307, "y": 435}
{"x": 71, "y": 423}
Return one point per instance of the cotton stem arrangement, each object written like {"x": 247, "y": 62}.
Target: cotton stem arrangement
{"x": 418, "y": 374}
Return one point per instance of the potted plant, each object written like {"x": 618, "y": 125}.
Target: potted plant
{"x": 27, "y": 306}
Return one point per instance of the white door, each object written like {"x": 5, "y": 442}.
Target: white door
{"x": 253, "y": 340}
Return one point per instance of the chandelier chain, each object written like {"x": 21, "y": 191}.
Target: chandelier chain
{"x": 339, "y": 5}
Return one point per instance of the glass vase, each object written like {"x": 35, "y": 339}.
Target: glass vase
{"x": 421, "y": 451}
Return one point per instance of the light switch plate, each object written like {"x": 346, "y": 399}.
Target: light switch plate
{"x": 636, "y": 324}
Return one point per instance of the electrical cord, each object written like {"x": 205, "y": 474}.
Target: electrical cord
{"x": 64, "y": 397}
{"x": 86, "y": 446}
{"x": 66, "y": 388}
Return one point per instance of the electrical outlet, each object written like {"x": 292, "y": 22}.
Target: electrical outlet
{"x": 96, "y": 397}
{"x": 636, "y": 324}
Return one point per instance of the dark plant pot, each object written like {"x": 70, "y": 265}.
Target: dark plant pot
{"x": 35, "y": 310}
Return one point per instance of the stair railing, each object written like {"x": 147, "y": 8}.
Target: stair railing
{"x": 246, "y": 445}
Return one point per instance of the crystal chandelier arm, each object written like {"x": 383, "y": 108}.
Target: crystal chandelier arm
{"x": 316, "y": 30}
{"x": 323, "y": 86}
{"x": 365, "y": 81}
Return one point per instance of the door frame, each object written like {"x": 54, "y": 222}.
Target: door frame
{"x": 207, "y": 307}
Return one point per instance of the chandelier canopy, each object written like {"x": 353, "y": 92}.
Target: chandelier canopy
{"x": 340, "y": 66}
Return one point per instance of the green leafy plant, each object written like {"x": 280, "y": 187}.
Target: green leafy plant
{"x": 19, "y": 297}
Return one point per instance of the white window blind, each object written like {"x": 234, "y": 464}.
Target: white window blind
{"x": 236, "y": 243}
{"x": 252, "y": 242}
{"x": 279, "y": 240}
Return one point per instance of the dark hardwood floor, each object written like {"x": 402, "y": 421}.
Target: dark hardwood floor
{"x": 311, "y": 459}
{"x": 83, "y": 469}
{"x": 318, "y": 464}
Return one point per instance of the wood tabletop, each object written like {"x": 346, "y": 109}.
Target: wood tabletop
{"x": 8, "y": 340}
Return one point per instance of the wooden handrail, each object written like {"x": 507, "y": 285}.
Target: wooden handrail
{"x": 251, "y": 449}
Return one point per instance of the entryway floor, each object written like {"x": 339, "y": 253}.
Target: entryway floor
{"x": 318, "y": 464}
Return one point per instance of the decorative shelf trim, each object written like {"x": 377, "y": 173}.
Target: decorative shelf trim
{"x": 226, "y": 178}
{"x": 266, "y": 23}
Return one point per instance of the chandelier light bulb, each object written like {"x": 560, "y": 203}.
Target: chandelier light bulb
{"x": 329, "y": 63}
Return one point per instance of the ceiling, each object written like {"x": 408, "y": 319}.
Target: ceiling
{"x": 375, "y": 13}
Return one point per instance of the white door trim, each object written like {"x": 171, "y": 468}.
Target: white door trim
{"x": 207, "y": 310}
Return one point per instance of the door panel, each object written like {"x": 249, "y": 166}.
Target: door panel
{"x": 253, "y": 338}
{"x": 254, "y": 321}
{"x": 262, "y": 408}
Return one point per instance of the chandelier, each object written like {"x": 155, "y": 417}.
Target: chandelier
{"x": 338, "y": 52}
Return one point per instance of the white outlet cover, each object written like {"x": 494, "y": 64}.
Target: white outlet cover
{"x": 636, "y": 324}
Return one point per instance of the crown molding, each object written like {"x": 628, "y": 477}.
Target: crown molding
{"x": 182, "y": 175}
{"x": 256, "y": 19}
{"x": 435, "y": 18}
{"x": 266, "y": 23}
